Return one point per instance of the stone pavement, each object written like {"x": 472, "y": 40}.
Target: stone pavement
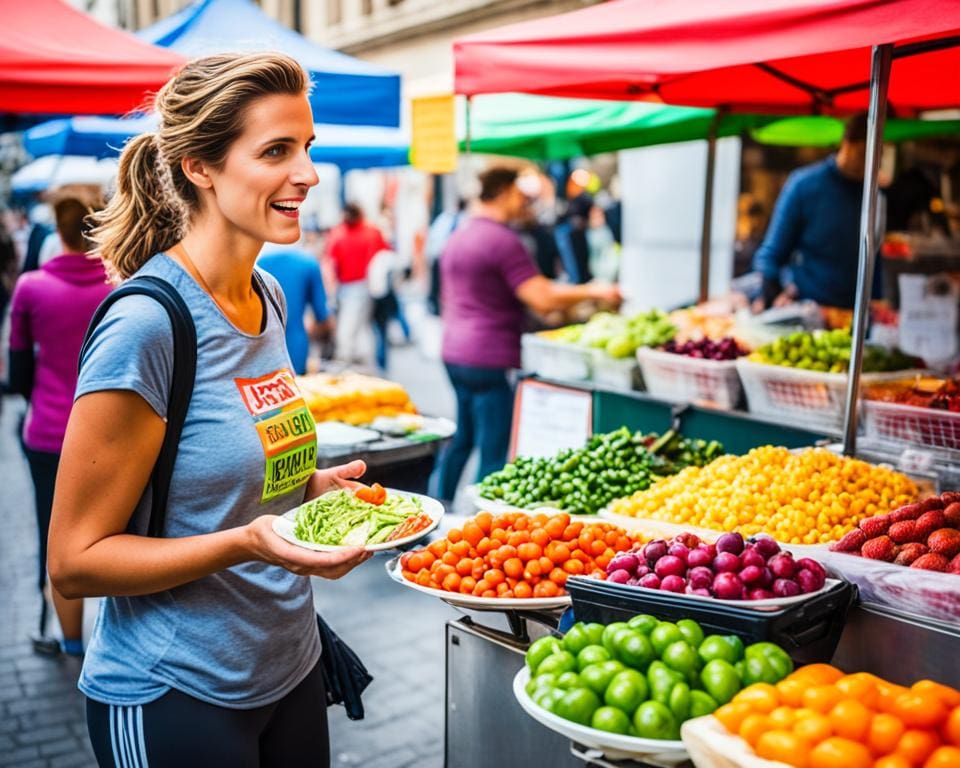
{"x": 398, "y": 634}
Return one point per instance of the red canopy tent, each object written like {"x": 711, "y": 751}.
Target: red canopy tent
{"x": 55, "y": 59}
{"x": 743, "y": 55}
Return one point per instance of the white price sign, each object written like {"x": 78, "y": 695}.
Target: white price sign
{"x": 548, "y": 418}
{"x": 928, "y": 317}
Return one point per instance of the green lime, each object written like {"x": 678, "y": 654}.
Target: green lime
{"x": 578, "y": 705}
{"x": 547, "y": 680}
{"x": 654, "y": 720}
{"x": 606, "y": 639}
{"x": 594, "y": 633}
{"x": 718, "y": 647}
{"x": 626, "y": 693}
{"x": 611, "y": 719}
{"x": 576, "y": 639}
{"x": 559, "y": 662}
{"x": 691, "y": 632}
{"x": 567, "y": 681}
{"x": 597, "y": 677}
{"x": 663, "y": 635}
{"x": 634, "y": 649}
{"x": 548, "y": 698}
{"x": 643, "y": 623}
{"x": 679, "y": 702}
{"x": 591, "y": 654}
{"x": 539, "y": 650}
{"x": 701, "y": 704}
{"x": 681, "y": 656}
{"x": 720, "y": 680}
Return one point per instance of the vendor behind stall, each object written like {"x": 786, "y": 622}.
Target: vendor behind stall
{"x": 815, "y": 229}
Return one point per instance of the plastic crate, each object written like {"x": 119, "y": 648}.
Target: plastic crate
{"x": 684, "y": 379}
{"x": 912, "y": 425}
{"x": 555, "y": 359}
{"x": 809, "y": 631}
{"x": 617, "y": 373}
{"x": 806, "y": 399}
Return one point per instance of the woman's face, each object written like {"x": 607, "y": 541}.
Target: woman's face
{"x": 267, "y": 170}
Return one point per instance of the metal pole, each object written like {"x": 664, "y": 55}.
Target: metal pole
{"x": 879, "y": 79}
{"x": 466, "y": 140}
{"x": 707, "y": 225}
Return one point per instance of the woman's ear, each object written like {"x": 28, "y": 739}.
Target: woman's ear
{"x": 196, "y": 172}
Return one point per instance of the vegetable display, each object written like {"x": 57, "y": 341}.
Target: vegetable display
{"x": 645, "y": 677}
{"x": 923, "y": 535}
{"x": 514, "y": 555}
{"x": 367, "y": 516}
{"x": 729, "y": 569}
{"x": 618, "y": 335}
{"x": 726, "y": 348}
{"x": 805, "y": 497}
{"x": 924, "y": 392}
{"x": 818, "y": 717}
{"x": 612, "y": 465}
{"x": 828, "y": 351}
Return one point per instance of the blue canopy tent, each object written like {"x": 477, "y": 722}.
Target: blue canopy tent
{"x": 346, "y": 90}
{"x": 348, "y": 147}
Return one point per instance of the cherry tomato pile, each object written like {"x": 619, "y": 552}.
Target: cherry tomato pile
{"x": 513, "y": 555}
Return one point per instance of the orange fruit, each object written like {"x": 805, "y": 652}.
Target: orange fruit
{"x": 949, "y": 696}
{"x": 785, "y": 747}
{"x": 944, "y": 757}
{"x": 731, "y": 716}
{"x": 917, "y": 745}
{"x": 892, "y": 761}
{"x": 920, "y": 710}
{"x": 753, "y": 727}
{"x": 791, "y": 691}
{"x": 760, "y": 697}
{"x": 884, "y": 733}
{"x": 814, "y": 727}
{"x": 821, "y": 698}
{"x": 783, "y": 718}
{"x": 850, "y": 719}
{"x": 952, "y": 728}
{"x": 888, "y": 693}
{"x": 836, "y": 752}
{"x": 816, "y": 674}
{"x": 861, "y": 686}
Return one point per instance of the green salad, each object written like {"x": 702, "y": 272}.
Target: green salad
{"x": 340, "y": 518}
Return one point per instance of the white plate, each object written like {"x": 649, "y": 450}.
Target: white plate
{"x": 496, "y": 507}
{"x": 770, "y": 604}
{"x": 479, "y": 603}
{"x": 283, "y": 526}
{"x": 338, "y": 433}
{"x": 613, "y": 745}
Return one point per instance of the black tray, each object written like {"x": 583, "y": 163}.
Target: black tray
{"x": 808, "y": 631}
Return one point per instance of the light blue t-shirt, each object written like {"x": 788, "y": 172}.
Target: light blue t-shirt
{"x": 246, "y": 636}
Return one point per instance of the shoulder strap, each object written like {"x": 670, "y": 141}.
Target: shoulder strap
{"x": 269, "y": 295}
{"x": 182, "y": 380}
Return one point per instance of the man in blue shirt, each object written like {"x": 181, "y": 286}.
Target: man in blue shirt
{"x": 815, "y": 229}
{"x": 298, "y": 273}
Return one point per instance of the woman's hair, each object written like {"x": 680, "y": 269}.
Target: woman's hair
{"x": 72, "y": 223}
{"x": 201, "y": 111}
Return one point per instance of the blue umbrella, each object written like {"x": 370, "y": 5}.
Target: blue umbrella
{"x": 346, "y": 91}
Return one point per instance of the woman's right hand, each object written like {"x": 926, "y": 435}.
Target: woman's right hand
{"x": 268, "y": 547}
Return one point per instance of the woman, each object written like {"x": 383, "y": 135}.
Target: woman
{"x": 50, "y": 310}
{"x": 206, "y": 649}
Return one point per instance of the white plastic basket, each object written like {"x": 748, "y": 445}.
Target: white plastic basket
{"x": 806, "y": 399}
{"x": 618, "y": 373}
{"x": 555, "y": 359}
{"x": 912, "y": 425}
{"x": 680, "y": 378}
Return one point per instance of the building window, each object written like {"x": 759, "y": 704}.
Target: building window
{"x": 334, "y": 12}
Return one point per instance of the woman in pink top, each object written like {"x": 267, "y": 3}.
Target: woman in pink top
{"x": 49, "y": 314}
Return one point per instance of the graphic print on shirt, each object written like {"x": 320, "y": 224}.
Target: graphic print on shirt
{"x": 286, "y": 429}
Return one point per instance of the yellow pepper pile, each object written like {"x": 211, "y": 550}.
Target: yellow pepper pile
{"x": 352, "y": 397}
{"x": 808, "y": 497}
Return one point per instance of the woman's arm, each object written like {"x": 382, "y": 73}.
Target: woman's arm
{"x": 112, "y": 442}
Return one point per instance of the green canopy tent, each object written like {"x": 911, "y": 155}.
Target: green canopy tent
{"x": 827, "y": 131}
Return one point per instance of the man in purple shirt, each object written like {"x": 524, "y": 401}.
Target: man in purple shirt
{"x": 487, "y": 279}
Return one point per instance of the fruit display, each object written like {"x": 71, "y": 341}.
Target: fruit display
{"x": 923, "y": 535}
{"x": 368, "y": 515}
{"x": 807, "y": 496}
{"x": 706, "y": 321}
{"x": 353, "y": 398}
{"x": 645, "y": 677}
{"x": 921, "y": 392}
{"x": 828, "y": 351}
{"x": 618, "y": 335}
{"x": 728, "y": 569}
{"x": 582, "y": 481}
{"x": 514, "y": 555}
{"x": 726, "y": 348}
{"x": 818, "y": 717}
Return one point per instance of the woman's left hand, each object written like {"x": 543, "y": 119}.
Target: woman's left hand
{"x": 335, "y": 478}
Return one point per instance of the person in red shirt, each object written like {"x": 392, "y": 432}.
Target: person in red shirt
{"x": 351, "y": 247}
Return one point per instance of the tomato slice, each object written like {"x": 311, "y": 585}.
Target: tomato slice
{"x": 410, "y": 526}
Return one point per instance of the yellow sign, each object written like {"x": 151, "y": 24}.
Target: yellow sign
{"x": 434, "y": 145}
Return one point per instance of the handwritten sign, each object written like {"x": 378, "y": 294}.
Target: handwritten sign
{"x": 548, "y": 418}
{"x": 928, "y": 316}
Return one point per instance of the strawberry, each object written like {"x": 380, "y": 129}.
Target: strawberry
{"x": 851, "y": 542}
{"x": 879, "y": 548}
{"x": 910, "y": 552}
{"x": 875, "y": 526}
{"x": 945, "y": 541}
{"x": 929, "y": 522}
{"x": 933, "y": 502}
{"x": 954, "y": 566}
{"x": 951, "y": 514}
{"x": 930, "y": 562}
{"x": 907, "y": 512}
{"x": 904, "y": 531}
{"x": 950, "y": 497}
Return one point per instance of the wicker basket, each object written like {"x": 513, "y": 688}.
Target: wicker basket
{"x": 555, "y": 359}
{"x": 679, "y": 378}
{"x": 615, "y": 372}
{"x": 913, "y": 426}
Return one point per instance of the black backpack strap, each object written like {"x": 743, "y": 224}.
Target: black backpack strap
{"x": 182, "y": 380}
{"x": 271, "y": 297}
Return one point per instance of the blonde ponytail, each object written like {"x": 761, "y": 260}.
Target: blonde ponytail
{"x": 201, "y": 112}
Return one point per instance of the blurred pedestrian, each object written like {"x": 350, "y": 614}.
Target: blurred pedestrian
{"x": 298, "y": 273}
{"x": 351, "y": 247}
{"x": 488, "y": 278}
{"x": 50, "y": 311}
{"x": 439, "y": 233}
{"x": 207, "y": 650}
